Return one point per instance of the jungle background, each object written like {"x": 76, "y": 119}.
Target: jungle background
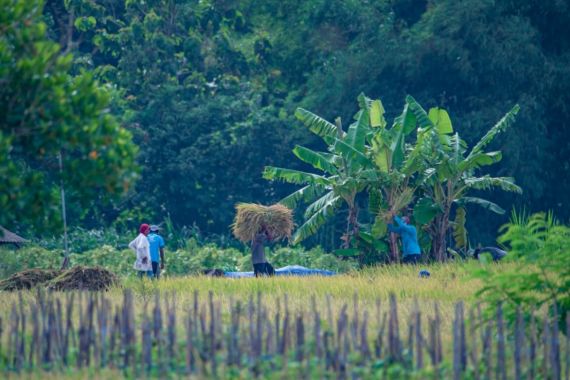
{"x": 208, "y": 91}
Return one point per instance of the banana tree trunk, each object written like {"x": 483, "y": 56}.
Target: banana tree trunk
{"x": 439, "y": 233}
{"x": 352, "y": 225}
{"x": 394, "y": 251}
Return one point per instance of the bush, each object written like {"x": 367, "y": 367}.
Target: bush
{"x": 538, "y": 245}
{"x": 28, "y": 257}
{"x": 190, "y": 260}
{"x": 81, "y": 240}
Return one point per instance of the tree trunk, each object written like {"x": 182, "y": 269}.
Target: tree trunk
{"x": 352, "y": 224}
{"x": 439, "y": 246}
{"x": 394, "y": 252}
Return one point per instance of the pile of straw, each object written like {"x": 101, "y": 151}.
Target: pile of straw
{"x": 250, "y": 217}
{"x": 28, "y": 279}
{"x": 84, "y": 278}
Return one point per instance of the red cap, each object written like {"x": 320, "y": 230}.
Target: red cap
{"x": 144, "y": 228}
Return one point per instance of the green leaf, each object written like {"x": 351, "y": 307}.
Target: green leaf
{"x": 294, "y": 176}
{"x": 379, "y": 228}
{"x": 397, "y": 147}
{"x": 459, "y": 230}
{"x": 486, "y": 182}
{"x": 425, "y": 210}
{"x": 440, "y": 118}
{"x": 319, "y": 204}
{"x": 317, "y": 124}
{"x": 381, "y": 159}
{"x": 480, "y": 159}
{"x": 304, "y": 194}
{"x": 377, "y": 114}
{"x": 318, "y": 160}
{"x": 481, "y": 202}
{"x": 501, "y": 126}
{"x": 351, "y": 154}
{"x": 356, "y": 136}
{"x": 85, "y": 24}
{"x": 311, "y": 226}
{"x": 420, "y": 114}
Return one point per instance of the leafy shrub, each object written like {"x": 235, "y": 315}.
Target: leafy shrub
{"x": 81, "y": 240}
{"x": 190, "y": 260}
{"x": 541, "y": 275}
{"x": 12, "y": 260}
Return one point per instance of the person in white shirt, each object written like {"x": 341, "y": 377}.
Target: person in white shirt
{"x": 141, "y": 247}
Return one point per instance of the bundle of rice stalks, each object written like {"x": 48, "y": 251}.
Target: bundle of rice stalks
{"x": 250, "y": 218}
{"x": 28, "y": 279}
{"x": 84, "y": 278}
{"x": 399, "y": 202}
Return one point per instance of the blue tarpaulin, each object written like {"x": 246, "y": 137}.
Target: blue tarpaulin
{"x": 289, "y": 270}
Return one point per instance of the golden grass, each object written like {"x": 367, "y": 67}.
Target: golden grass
{"x": 447, "y": 285}
{"x": 250, "y": 218}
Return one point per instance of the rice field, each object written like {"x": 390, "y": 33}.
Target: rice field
{"x": 365, "y": 324}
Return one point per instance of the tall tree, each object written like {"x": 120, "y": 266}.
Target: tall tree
{"x": 45, "y": 113}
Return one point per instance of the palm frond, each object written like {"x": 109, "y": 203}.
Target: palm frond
{"x": 377, "y": 114}
{"x": 320, "y": 217}
{"x": 501, "y": 126}
{"x": 480, "y": 159}
{"x": 319, "y": 160}
{"x": 318, "y": 204}
{"x": 356, "y": 136}
{"x": 317, "y": 124}
{"x": 487, "y": 182}
{"x": 294, "y": 176}
{"x": 351, "y": 154}
{"x": 420, "y": 114}
{"x": 458, "y": 147}
{"x": 304, "y": 194}
{"x": 459, "y": 230}
{"x": 480, "y": 202}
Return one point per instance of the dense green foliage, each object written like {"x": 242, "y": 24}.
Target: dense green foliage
{"x": 209, "y": 89}
{"x": 190, "y": 260}
{"x": 538, "y": 246}
{"x": 45, "y": 112}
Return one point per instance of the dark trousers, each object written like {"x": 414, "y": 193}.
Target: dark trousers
{"x": 155, "y": 269}
{"x": 411, "y": 259}
{"x": 263, "y": 269}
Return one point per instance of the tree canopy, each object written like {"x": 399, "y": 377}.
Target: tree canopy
{"x": 47, "y": 114}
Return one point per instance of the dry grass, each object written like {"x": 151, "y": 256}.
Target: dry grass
{"x": 447, "y": 284}
{"x": 250, "y": 218}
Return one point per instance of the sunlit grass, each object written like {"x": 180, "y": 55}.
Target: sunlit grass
{"x": 447, "y": 284}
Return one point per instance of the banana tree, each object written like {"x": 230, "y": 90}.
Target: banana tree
{"x": 369, "y": 156}
{"x": 345, "y": 171}
{"x": 450, "y": 173}
{"x": 397, "y": 169}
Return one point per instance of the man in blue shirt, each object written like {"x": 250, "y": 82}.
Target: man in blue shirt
{"x": 156, "y": 246}
{"x": 409, "y": 237}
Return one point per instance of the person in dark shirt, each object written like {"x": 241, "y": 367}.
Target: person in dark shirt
{"x": 260, "y": 265}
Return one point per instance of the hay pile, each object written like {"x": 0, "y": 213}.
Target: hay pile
{"x": 84, "y": 278}
{"x": 250, "y": 217}
{"x": 28, "y": 279}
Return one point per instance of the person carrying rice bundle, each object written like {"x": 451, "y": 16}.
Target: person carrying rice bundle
{"x": 261, "y": 266}
{"x": 260, "y": 225}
